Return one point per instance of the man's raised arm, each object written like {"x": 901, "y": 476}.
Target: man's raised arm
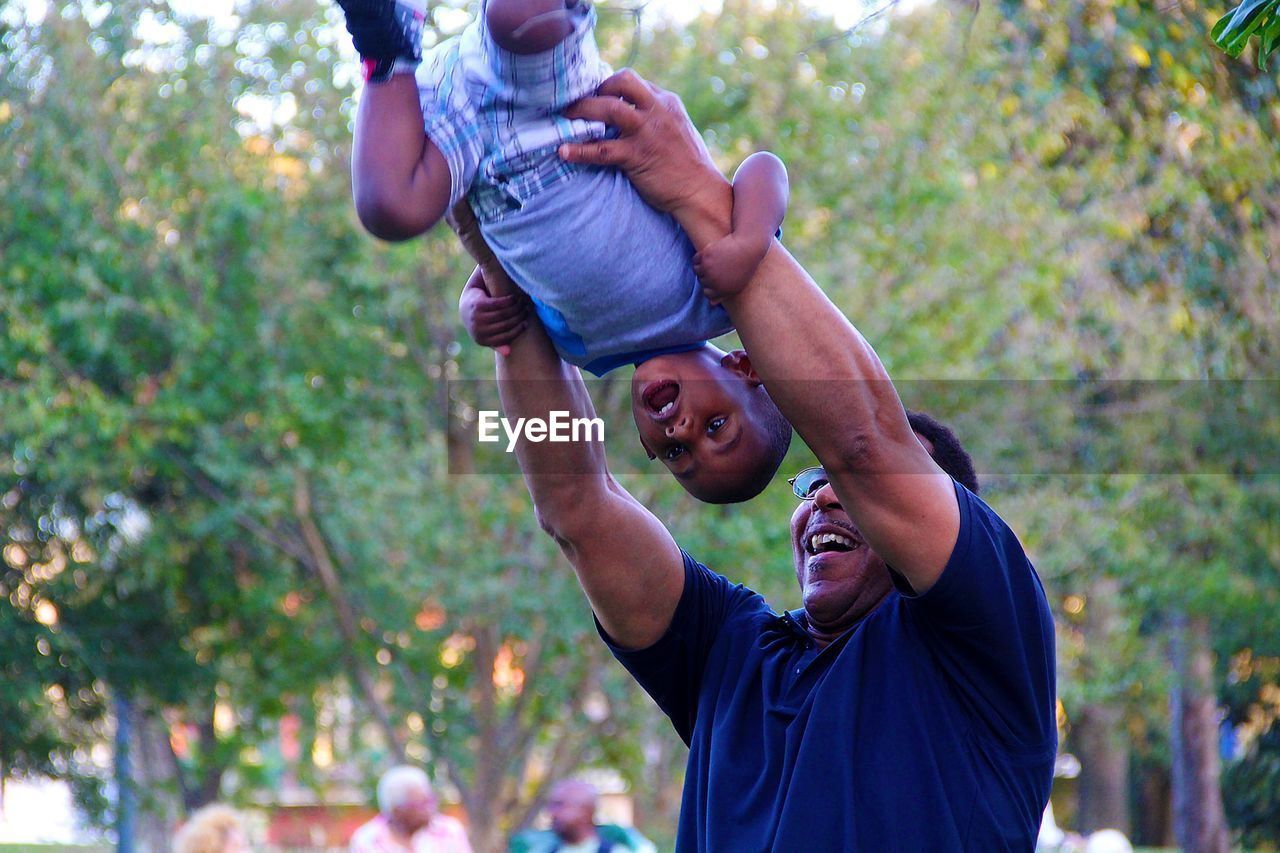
{"x": 823, "y": 375}
{"x": 627, "y": 562}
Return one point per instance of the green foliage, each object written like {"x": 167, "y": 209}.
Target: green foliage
{"x": 1251, "y": 790}
{"x": 1251, "y": 18}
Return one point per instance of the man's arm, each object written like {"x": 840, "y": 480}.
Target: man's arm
{"x": 824, "y": 376}
{"x": 628, "y": 564}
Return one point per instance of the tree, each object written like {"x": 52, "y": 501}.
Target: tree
{"x": 239, "y": 485}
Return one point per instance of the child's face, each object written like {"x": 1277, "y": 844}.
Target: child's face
{"x": 697, "y": 412}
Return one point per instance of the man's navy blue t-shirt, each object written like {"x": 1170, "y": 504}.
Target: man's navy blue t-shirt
{"x": 930, "y": 726}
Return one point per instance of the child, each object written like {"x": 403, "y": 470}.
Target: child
{"x": 610, "y": 278}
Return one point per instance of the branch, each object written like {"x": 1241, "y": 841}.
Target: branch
{"x": 348, "y": 625}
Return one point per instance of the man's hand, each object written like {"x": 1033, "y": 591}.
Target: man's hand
{"x": 659, "y": 148}
{"x": 492, "y": 321}
{"x": 727, "y": 265}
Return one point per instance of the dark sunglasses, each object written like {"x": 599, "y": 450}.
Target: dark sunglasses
{"x": 807, "y": 482}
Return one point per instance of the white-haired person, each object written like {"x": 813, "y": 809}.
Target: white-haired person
{"x": 408, "y": 819}
{"x": 213, "y": 829}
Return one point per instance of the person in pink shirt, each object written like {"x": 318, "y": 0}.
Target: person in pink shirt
{"x": 408, "y": 819}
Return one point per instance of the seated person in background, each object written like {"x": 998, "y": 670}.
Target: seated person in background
{"x": 408, "y": 820}
{"x": 612, "y": 280}
{"x": 213, "y": 829}
{"x": 572, "y": 809}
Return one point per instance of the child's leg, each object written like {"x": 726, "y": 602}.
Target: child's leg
{"x": 529, "y": 26}
{"x": 400, "y": 180}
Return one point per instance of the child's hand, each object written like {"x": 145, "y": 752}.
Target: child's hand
{"x": 725, "y": 267}
{"x": 492, "y": 321}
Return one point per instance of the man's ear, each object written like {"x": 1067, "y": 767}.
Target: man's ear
{"x": 740, "y": 363}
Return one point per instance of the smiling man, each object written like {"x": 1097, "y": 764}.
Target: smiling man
{"x": 909, "y": 703}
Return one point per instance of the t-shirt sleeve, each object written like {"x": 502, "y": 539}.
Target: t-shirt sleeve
{"x": 449, "y": 115}
{"x": 671, "y": 670}
{"x": 988, "y": 624}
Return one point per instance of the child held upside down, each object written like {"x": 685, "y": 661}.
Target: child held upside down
{"x": 613, "y": 280}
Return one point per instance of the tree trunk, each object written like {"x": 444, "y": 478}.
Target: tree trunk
{"x": 126, "y": 801}
{"x": 203, "y": 787}
{"x": 1154, "y": 826}
{"x": 1098, "y": 736}
{"x": 657, "y": 793}
{"x": 1099, "y": 742}
{"x": 345, "y": 615}
{"x": 150, "y": 805}
{"x": 1199, "y": 821}
{"x": 490, "y": 766}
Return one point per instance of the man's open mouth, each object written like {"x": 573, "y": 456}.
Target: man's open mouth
{"x": 660, "y": 397}
{"x": 826, "y": 540}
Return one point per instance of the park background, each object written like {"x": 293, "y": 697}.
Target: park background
{"x": 250, "y": 552}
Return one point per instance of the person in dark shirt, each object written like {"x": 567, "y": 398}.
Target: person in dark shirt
{"x": 909, "y": 703}
{"x": 572, "y": 805}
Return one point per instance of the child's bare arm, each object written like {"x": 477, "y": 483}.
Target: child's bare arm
{"x": 760, "y": 192}
{"x": 400, "y": 180}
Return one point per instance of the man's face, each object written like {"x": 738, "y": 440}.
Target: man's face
{"x": 417, "y": 810}
{"x": 841, "y": 578}
{"x": 694, "y": 411}
{"x": 572, "y": 810}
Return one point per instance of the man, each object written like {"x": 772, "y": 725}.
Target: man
{"x": 572, "y": 806}
{"x": 905, "y": 708}
{"x": 407, "y": 819}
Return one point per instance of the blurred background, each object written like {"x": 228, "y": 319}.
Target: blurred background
{"x": 249, "y": 553}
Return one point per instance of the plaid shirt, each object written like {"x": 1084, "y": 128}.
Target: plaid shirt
{"x": 494, "y": 115}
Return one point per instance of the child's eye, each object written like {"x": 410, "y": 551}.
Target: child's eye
{"x": 674, "y": 452}
{"x": 715, "y": 423}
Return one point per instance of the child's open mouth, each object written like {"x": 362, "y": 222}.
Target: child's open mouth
{"x": 660, "y": 398}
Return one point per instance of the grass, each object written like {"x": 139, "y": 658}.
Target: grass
{"x": 52, "y": 848}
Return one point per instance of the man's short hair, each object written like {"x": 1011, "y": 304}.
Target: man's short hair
{"x": 397, "y": 784}
{"x": 947, "y": 450}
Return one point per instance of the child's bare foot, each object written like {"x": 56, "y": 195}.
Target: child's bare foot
{"x": 385, "y": 33}
{"x": 727, "y": 265}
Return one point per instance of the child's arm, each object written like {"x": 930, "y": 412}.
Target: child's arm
{"x": 760, "y": 190}
{"x": 400, "y": 180}
{"x": 493, "y": 321}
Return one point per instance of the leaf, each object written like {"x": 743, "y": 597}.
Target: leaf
{"x": 1233, "y": 30}
{"x": 1269, "y": 40}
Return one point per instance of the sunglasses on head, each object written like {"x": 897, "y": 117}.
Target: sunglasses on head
{"x": 807, "y": 483}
